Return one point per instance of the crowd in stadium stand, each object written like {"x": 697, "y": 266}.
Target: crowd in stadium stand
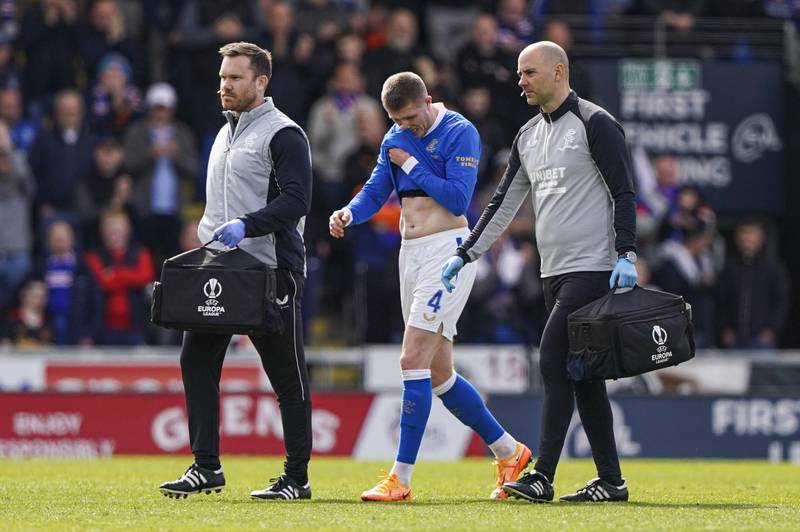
{"x": 108, "y": 109}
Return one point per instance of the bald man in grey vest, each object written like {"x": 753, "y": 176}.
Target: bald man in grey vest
{"x": 258, "y": 193}
{"x": 573, "y": 160}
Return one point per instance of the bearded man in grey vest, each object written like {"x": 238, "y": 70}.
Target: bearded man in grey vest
{"x": 258, "y": 193}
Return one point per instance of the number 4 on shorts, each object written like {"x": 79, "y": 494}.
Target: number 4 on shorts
{"x": 435, "y": 301}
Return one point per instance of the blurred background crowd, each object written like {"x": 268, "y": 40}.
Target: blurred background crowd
{"x": 108, "y": 109}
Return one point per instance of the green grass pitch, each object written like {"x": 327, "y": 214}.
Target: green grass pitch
{"x": 121, "y": 494}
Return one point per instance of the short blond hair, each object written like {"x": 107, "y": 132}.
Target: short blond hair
{"x": 401, "y": 89}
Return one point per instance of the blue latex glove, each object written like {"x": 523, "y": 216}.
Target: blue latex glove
{"x": 450, "y": 270}
{"x": 230, "y": 233}
{"x": 624, "y": 275}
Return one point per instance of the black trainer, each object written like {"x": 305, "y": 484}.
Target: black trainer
{"x": 597, "y": 490}
{"x": 532, "y": 487}
{"x": 195, "y": 480}
{"x": 282, "y": 488}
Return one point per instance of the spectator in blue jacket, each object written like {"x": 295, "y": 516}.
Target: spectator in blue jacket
{"x": 72, "y": 296}
{"x": 23, "y": 130}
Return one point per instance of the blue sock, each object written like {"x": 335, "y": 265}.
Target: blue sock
{"x": 464, "y": 401}
{"x": 414, "y": 412}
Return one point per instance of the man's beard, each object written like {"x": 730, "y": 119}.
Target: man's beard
{"x": 242, "y": 104}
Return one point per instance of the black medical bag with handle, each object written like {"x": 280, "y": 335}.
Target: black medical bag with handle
{"x": 627, "y": 333}
{"x": 217, "y": 291}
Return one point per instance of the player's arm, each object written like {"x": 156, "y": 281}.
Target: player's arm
{"x": 292, "y": 170}
{"x": 610, "y": 153}
{"x": 453, "y": 190}
{"x": 498, "y": 214}
{"x": 369, "y": 199}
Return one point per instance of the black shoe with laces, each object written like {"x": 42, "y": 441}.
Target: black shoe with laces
{"x": 597, "y": 490}
{"x": 195, "y": 480}
{"x": 532, "y": 487}
{"x": 283, "y": 488}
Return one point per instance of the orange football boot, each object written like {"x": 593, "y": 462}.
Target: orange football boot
{"x": 508, "y": 470}
{"x": 388, "y": 490}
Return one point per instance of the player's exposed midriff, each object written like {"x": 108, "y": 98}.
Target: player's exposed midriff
{"x": 422, "y": 216}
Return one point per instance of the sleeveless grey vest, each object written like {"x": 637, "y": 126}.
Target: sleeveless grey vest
{"x": 239, "y": 171}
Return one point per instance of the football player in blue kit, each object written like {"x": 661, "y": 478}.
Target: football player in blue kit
{"x": 430, "y": 158}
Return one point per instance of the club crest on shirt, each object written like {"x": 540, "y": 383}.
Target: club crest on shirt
{"x": 432, "y": 145}
{"x": 568, "y": 142}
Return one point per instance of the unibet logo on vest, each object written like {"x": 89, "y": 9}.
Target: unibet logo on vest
{"x": 212, "y": 290}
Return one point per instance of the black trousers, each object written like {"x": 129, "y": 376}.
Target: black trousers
{"x": 564, "y": 294}
{"x": 284, "y": 361}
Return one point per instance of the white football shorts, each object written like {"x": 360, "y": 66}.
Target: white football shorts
{"x": 426, "y": 303}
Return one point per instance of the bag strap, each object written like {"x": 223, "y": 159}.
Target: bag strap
{"x": 617, "y": 290}
{"x": 211, "y": 242}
